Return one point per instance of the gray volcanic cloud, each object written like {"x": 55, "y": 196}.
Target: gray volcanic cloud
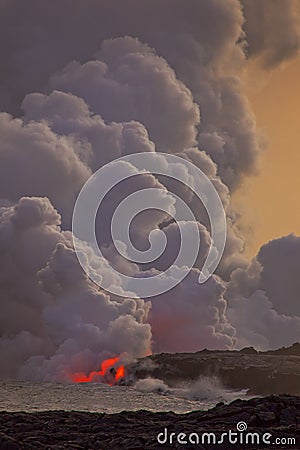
{"x": 273, "y": 31}
{"x": 99, "y": 142}
{"x": 280, "y": 260}
{"x": 128, "y": 81}
{"x": 197, "y": 38}
{"x": 90, "y": 81}
{"x": 263, "y": 298}
{"x": 53, "y": 320}
{"x": 275, "y": 271}
{"x": 35, "y": 161}
{"x": 189, "y": 314}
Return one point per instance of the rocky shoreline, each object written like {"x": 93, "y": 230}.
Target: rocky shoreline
{"x": 276, "y": 416}
{"x": 260, "y": 373}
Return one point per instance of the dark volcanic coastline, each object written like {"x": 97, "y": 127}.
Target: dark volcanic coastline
{"x": 261, "y": 373}
{"x": 277, "y": 415}
{"x": 276, "y": 372}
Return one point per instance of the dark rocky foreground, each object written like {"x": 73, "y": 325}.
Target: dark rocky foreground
{"x": 277, "y": 415}
{"x": 261, "y": 373}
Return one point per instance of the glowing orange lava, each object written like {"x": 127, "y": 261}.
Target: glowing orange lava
{"x": 108, "y": 373}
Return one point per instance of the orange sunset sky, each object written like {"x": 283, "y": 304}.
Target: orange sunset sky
{"x": 269, "y": 202}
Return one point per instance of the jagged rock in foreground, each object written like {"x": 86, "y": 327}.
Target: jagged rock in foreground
{"x": 262, "y": 373}
{"x": 277, "y": 415}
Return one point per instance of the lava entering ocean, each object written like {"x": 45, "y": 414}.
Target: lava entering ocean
{"x": 108, "y": 373}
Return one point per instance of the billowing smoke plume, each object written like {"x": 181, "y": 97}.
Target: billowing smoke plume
{"x": 36, "y": 161}
{"x": 196, "y": 312}
{"x": 85, "y": 83}
{"x": 54, "y": 320}
{"x": 273, "y": 32}
{"x": 264, "y": 297}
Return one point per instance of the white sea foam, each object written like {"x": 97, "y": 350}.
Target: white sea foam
{"x": 203, "y": 389}
{"x": 152, "y": 385}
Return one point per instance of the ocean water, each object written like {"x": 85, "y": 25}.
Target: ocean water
{"x": 96, "y": 397}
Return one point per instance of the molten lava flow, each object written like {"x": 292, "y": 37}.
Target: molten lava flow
{"x": 108, "y": 373}
{"x": 120, "y": 373}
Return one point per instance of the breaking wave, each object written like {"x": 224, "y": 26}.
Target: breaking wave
{"x": 202, "y": 389}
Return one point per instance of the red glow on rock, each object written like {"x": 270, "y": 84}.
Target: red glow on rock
{"x": 107, "y": 374}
